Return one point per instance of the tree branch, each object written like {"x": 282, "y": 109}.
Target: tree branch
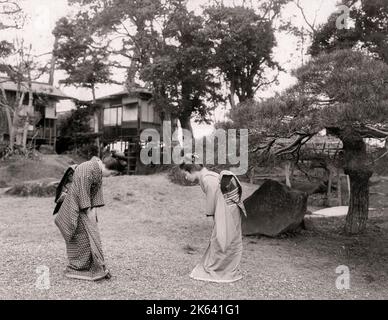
{"x": 267, "y": 146}
{"x": 370, "y": 132}
{"x": 267, "y": 83}
{"x": 310, "y": 25}
{"x": 295, "y": 145}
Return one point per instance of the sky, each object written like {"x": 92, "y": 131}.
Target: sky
{"x": 43, "y": 14}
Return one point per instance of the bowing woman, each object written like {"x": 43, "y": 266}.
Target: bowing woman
{"x": 77, "y": 222}
{"x": 223, "y": 192}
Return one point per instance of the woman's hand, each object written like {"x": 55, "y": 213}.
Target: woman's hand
{"x": 92, "y": 214}
{"x": 62, "y": 197}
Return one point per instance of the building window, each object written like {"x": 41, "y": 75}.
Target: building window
{"x": 130, "y": 112}
{"x": 147, "y": 113}
{"x": 157, "y": 118}
{"x": 113, "y": 116}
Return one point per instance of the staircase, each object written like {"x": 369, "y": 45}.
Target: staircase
{"x": 131, "y": 155}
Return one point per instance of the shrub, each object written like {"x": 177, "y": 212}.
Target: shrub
{"x": 3, "y": 184}
{"x": 36, "y": 189}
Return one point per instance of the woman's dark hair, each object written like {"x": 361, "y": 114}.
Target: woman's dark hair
{"x": 112, "y": 163}
{"x": 190, "y": 167}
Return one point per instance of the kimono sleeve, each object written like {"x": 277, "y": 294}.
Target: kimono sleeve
{"x": 67, "y": 217}
{"x": 211, "y": 186}
{"x": 84, "y": 185}
{"x": 98, "y": 198}
{"x": 221, "y": 223}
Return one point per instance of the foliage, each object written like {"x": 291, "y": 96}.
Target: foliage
{"x": 6, "y": 48}
{"x": 76, "y": 122}
{"x": 11, "y": 17}
{"x": 21, "y": 67}
{"x": 180, "y": 69}
{"x": 163, "y": 45}
{"x": 33, "y": 189}
{"x": 344, "y": 92}
{"x": 369, "y": 32}
{"x": 85, "y": 64}
{"x": 333, "y": 90}
{"x": 243, "y": 42}
{"x": 76, "y": 133}
{"x": 124, "y": 27}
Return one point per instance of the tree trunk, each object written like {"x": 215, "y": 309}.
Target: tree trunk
{"x": 16, "y": 129}
{"x": 25, "y": 136}
{"x": 53, "y": 62}
{"x": 355, "y": 165}
{"x": 28, "y": 111}
{"x": 17, "y": 121}
{"x": 96, "y": 122}
{"x": 186, "y": 106}
{"x": 10, "y": 128}
{"x": 8, "y": 115}
{"x": 186, "y": 123}
{"x": 357, "y": 216}
{"x": 231, "y": 96}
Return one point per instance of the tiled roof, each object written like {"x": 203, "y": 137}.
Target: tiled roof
{"x": 37, "y": 87}
{"x": 124, "y": 93}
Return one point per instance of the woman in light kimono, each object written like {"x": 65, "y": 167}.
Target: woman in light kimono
{"x": 223, "y": 201}
{"x": 77, "y": 221}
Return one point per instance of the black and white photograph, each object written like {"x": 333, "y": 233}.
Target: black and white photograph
{"x": 203, "y": 151}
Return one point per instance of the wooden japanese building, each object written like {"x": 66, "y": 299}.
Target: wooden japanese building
{"x": 121, "y": 118}
{"x": 45, "y": 99}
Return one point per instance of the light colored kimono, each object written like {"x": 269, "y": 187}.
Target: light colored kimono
{"x": 222, "y": 258}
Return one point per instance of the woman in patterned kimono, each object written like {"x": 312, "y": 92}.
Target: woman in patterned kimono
{"x": 77, "y": 221}
{"x": 223, "y": 201}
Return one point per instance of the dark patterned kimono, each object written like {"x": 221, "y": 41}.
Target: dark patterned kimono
{"x": 83, "y": 243}
{"x": 222, "y": 258}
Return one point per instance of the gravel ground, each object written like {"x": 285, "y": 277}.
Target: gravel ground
{"x": 154, "y": 233}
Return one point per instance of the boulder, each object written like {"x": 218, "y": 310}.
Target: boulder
{"x": 274, "y": 209}
{"x": 310, "y": 187}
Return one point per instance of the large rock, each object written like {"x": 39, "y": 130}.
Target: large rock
{"x": 273, "y": 209}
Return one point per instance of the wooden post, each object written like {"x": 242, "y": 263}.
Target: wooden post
{"x": 329, "y": 186}
{"x": 55, "y": 135}
{"x": 44, "y": 129}
{"x": 51, "y": 130}
{"x": 128, "y": 159}
{"x": 339, "y": 188}
{"x": 348, "y": 183}
{"x": 287, "y": 172}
